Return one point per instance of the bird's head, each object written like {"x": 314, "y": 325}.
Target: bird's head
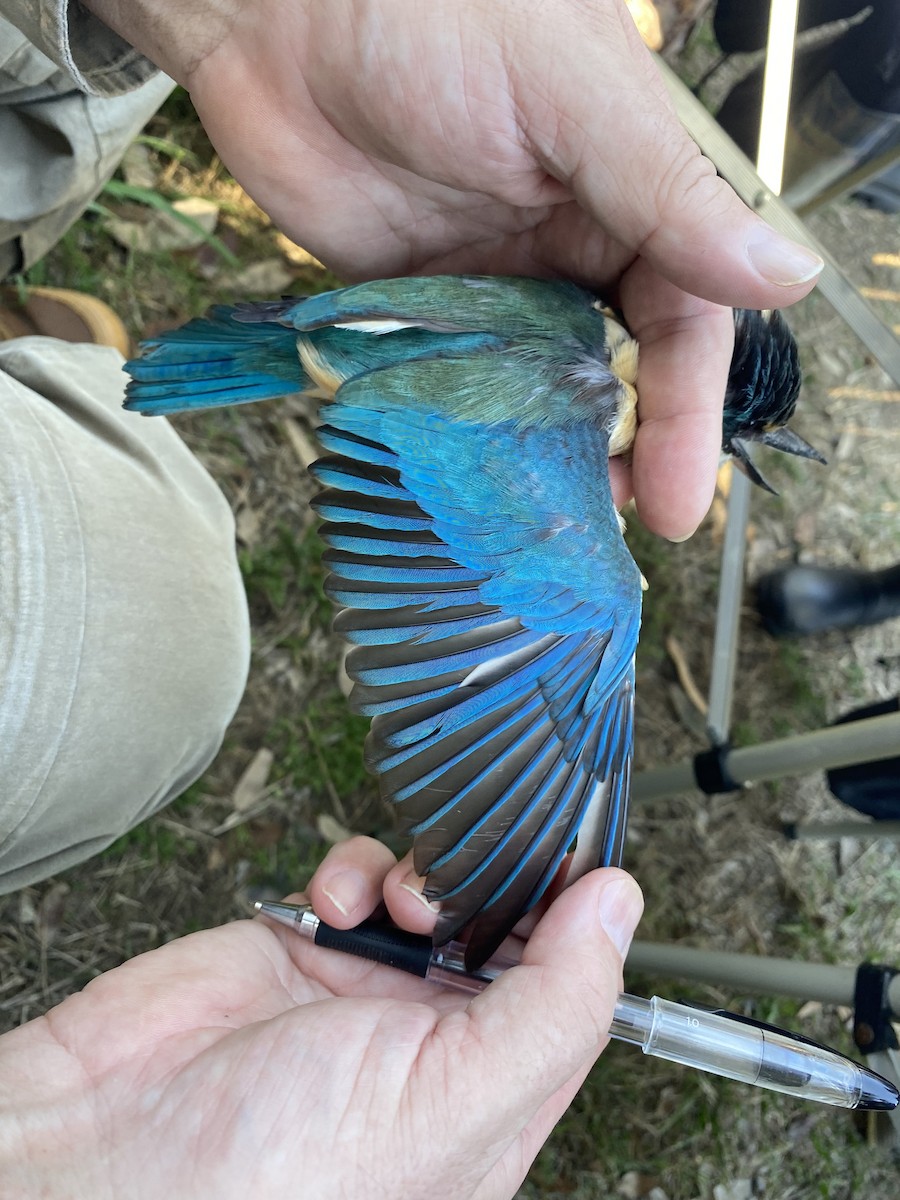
{"x": 763, "y": 385}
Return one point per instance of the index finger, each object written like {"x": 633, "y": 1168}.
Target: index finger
{"x": 685, "y": 353}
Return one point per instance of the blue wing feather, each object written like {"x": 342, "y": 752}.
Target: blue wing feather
{"x": 522, "y": 720}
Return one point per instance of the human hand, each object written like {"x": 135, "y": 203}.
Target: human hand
{"x": 514, "y": 137}
{"x": 245, "y": 1061}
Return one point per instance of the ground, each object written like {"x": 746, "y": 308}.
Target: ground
{"x": 716, "y": 872}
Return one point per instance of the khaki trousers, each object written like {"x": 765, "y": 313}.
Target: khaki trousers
{"x": 124, "y": 640}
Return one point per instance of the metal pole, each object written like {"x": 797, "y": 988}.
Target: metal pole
{"x": 851, "y": 182}
{"x": 837, "y": 746}
{"x": 728, "y": 611}
{"x": 746, "y": 972}
{"x": 776, "y": 96}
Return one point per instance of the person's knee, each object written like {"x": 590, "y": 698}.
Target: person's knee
{"x": 125, "y": 632}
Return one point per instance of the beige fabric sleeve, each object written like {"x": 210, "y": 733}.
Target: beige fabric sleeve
{"x": 98, "y": 60}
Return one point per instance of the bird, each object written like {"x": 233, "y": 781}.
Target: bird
{"x": 475, "y": 554}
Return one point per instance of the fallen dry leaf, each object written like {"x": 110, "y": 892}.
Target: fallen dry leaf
{"x": 301, "y": 443}
{"x": 52, "y": 911}
{"x": 270, "y": 277}
{"x": 161, "y": 231}
{"x": 247, "y": 525}
{"x": 685, "y": 678}
{"x": 137, "y": 166}
{"x": 331, "y": 829}
{"x": 252, "y": 783}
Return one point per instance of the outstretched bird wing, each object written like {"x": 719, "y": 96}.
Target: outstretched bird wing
{"x": 495, "y": 610}
{"x": 477, "y": 553}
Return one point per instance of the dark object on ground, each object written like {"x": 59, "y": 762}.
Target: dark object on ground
{"x": 845, "y": 96}
{"x": 804, "y": 600}
{"x": 871, "y": 788}
{"x": 882, "y": 193}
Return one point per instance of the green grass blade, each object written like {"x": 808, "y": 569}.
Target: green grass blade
{"x": 170, "y": 149}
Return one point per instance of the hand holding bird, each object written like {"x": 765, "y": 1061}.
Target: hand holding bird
{"x": 519, "y": 137}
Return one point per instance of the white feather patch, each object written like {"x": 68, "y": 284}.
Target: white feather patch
{"x": 385, "y": 325}
{"x": 495, "y": 668}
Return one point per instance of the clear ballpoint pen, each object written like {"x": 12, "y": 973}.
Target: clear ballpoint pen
{"x": 720, "y": 1042}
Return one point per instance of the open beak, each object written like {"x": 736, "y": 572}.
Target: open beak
{"x": 791, "y": 443}
{"x": 779, "y": 439}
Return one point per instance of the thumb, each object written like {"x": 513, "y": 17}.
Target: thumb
{"x": 541, "y": 1025}
{"x": 615, "y": 139}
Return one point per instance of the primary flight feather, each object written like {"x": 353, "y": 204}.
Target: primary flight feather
{"x": 474, "y": 548}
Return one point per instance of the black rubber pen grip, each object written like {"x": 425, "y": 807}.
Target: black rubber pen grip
{"x": 384, "y": 944}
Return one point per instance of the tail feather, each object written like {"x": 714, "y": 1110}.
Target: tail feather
{"x": 214, "y": 361}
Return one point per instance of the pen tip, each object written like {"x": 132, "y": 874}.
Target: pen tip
{"x": 290, "y": 915}
{"x": 878, "y": 1094}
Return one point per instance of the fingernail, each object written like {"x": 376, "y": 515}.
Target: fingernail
{"x": 779, "y": 260}
{"x": 413, "y": 885}
{"x": 346, "y": 891}
{"x": 685, "y": 537}
{"x": 621, "y": 906}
